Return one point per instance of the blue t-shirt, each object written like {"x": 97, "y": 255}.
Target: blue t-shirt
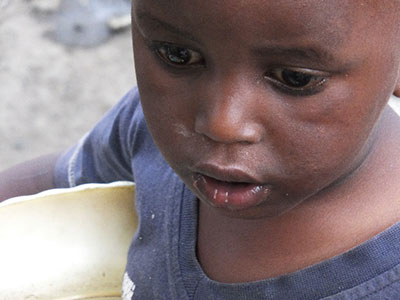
{"x": 162, "y": 261}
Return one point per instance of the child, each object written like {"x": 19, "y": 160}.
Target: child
{"x": 271, "y": 171}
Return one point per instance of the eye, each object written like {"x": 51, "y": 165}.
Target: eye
{"x": 300, "y": 81}
{"x": 178, "y": 56}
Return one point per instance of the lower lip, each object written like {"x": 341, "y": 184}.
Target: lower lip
{"x": 235, "y": 196}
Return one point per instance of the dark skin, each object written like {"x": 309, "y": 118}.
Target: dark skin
{"x": 288, "y": 93}
{"x": 28, "y": 178}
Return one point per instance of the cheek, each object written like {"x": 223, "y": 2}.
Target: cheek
{"x": 167, "y": 109}
{"x": 164, "y": 98}
{"x": 158, "y": 97}
{"x": 325, "y": 138}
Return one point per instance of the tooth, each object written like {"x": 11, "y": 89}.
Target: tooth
{"x": 256, "y": 189}
{"x": 215, "y": 194}
{"x": 226, "y": 197}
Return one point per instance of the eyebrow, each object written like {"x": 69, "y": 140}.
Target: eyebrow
{"x": 308, "y": 53}
{"x": 145, "y": 17}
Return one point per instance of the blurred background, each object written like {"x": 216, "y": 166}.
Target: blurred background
{"x": 63, "y": 64}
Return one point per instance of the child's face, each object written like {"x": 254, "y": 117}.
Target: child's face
{"x": 259, "y": 105}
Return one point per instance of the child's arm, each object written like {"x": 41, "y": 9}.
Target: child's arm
{"x": 103, "y": 155}
{"x": 28, "y": 178}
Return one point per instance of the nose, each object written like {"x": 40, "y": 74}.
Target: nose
{"x": 228, "y": 114}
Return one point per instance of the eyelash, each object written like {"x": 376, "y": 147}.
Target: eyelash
{"x": 276, "y": 76}
{"x": 164, "y": 51}
{"x": 315, "y": 80}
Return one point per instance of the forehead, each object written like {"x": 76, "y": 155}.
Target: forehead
{"x": 329, "y": 21}
{"x": 268, "y": 18}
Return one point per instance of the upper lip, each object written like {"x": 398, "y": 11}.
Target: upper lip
{"x": 226, "y": 173}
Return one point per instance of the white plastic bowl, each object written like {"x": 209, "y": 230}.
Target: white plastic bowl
{"x": 68, "y": 243}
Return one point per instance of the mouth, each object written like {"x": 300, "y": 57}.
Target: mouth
{"x": 234, "y": 194}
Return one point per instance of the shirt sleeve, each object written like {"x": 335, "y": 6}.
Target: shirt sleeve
{"x": 104, "y": 154}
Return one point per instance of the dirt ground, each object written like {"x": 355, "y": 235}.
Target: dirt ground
{"x": 51, "y": 94}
